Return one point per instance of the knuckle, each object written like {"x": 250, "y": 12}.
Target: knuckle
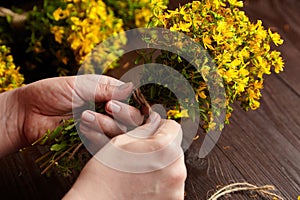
{"x": 131, "y": 115}
{"x": 178, "y": 172}
{"x": 173, "y": 123}
{"x": 99, "y": 124}
{"x": 105, "y": 90}
{"x": 158, "y": 144}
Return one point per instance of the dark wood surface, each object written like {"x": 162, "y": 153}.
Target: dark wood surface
{"x": 260, "y": 147}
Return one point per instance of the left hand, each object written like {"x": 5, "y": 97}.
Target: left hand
{"x": 43, "y": 104}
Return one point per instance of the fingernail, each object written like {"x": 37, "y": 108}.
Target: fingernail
{"x": 125, "y": 86}
{"x": 88, "y": 116}
{"x": 113, "y": 107}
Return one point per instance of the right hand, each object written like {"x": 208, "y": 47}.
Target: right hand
{"x": 161, "y": 176}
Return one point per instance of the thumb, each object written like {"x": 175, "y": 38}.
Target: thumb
{"x": 99, "y": 88}
{"x": 106, "y": 92}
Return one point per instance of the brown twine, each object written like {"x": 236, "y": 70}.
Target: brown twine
{"x": 141, "y": 100}
{"x": 266, "y": 190}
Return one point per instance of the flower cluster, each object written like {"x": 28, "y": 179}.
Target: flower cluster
{"x": 84, "y": 24}
{"x": 240, "y": 49}
{"x": 10, "y": 77}
{"x": 136, "y": 13}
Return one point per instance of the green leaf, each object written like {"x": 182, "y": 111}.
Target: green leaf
{"x": 74, "y": 133}
{"x": 9, "y": 19}
{"x": 152, "y": 91}
{"x": 44, "y": 140}
{"x": 58, "y": 147}
{"x": 70, "y": 127}
{"x": 55, "y": 133}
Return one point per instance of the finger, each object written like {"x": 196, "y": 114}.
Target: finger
{"x": 102, "y": 123}
{"x": 162, "y": 136}
{"x": 133, "y": 155}
{"x": 138, "y": 134}
{"x": 169, "y": 131}
{"x": 163, "y": 147}
{"x": 99, "y": 88}
{"x": 124, "y": 113}
{"x": 106, "y": 92}
{"x": 92, "y": 139}
{"x": 148, "y": 129}
{"x": 103, "y": 79}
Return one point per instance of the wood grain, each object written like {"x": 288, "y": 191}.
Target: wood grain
{"x": 283, "y": 17}
{"x": 260, "y": 147}
{"x": 20, "y": 178}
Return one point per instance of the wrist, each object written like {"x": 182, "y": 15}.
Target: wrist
{"x": 11, "y": 122}
{"x": 92, "y": 183}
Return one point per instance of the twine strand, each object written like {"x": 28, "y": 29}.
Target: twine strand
{"x": 265, "y": 190}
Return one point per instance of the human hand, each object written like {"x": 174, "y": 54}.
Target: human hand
{"x": 37, "y": 107}
{"x": 145, "y": 163}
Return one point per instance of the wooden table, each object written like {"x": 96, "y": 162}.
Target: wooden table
{"x": 260, "y": 147}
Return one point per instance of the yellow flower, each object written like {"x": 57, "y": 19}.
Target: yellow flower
{"x": 236, "y": 3}
{"x": 200, "y": 91}
{"x": 244, "y": 53}
{"x": 222, "y": 26}
{"x": 142, "y": 17}
{"x": 261, "y": 34}
{"x": 254, "y": 94}
{"x": 58, "y": 33}
{"x": 235, "y": 63}
{"x": 181, "y": 26}
{"x": 230, "y": 75}
{"x": 9, "y": 58}
{"x": 177, "y": 114}
{"x": 207, "y": 42}
{"x": 59, "y": 14}
{"x": 275, "y": 38}
{"x": 219, "y": 38}
{"x": 254, "y": 104}
{"x": 75, "y": 41}
{"x": 263, "y": 65}
{"x": 243, "y": 72}
{"x": 218, "y": 3}
{"x": 212, "y": 125}
{"x": 10, "y": 77}
{"x": 157, "y": 6}
{"x": 2, "y": 69}
{"x": 75, "y": 21}
{"x": 241, "y": 84}
{"x": 277, "y": 61}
